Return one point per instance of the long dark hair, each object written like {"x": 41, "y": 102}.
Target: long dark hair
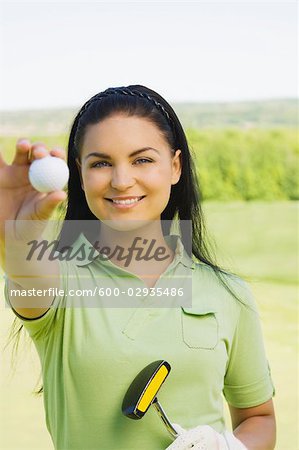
{"x": 185, "y": 197}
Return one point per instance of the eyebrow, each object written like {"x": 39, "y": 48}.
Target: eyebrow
{"x": 104, "y": 155}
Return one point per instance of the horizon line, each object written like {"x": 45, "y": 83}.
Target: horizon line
{"x": 180, "y": 102}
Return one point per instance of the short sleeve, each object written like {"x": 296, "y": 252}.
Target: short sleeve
{"x": 39, "y": 327}
{"x": 248, "y": 379}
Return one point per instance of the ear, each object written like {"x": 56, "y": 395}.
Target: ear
{"x": 176, "y": 167}
{"x": 79, "y": 167}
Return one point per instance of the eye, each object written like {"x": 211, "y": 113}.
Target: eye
{"x": 99, "y": 164}
{"x": 143, "y": 160}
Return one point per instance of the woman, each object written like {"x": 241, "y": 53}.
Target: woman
{"x": 131, "y": 175}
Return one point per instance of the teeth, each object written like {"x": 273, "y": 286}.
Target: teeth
{"x": 127, "y": 202}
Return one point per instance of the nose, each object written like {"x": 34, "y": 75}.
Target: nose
{"x": 122, "y": 178}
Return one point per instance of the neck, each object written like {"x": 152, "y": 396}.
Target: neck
{"x": 138, "y": 248}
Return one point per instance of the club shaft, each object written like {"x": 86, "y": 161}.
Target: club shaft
{"x": 164, "y": 418}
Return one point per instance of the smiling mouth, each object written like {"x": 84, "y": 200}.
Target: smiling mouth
{"x": 126, "y": 202}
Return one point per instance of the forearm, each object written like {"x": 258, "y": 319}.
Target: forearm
{"x": 29, "y": 272}
{"x": 257, "y": 432}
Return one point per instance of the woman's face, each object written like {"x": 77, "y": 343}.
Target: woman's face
{"x": 127, "y": 169}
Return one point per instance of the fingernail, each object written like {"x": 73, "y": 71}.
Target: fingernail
{"x": 41, "y": 149}
{"x": 23, "y": 141}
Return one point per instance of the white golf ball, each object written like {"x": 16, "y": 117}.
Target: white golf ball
{"x": 48, "y": 174}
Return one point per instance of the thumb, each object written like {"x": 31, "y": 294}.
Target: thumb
{"x": 45, "y": 207}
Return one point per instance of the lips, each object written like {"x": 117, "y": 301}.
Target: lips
{"x": 126, "y": 204}
{"x": 125, "y": 200}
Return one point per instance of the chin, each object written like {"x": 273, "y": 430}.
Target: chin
{"x": 125, "y": 224}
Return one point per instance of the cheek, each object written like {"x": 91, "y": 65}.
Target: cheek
{"x": 160, "y": 177}
{"x": 158, "y": 185}
{"x": 93, "y": 183}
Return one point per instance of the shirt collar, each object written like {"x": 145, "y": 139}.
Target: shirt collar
{"x": 180, "y": 255}
{"x": 85, "y": 254}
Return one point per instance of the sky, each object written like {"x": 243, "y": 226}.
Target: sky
{"x": 59, "y": 54}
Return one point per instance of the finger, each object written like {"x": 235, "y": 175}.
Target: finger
{"x": 58, "y": 152}
{"x": 38, "y": 144}
{"x": 23, "y": 148}
{"x": 38, "y": 153}
{"x": 46, "y": 205}
{"x": 38, "y": 150}
{"x": 2, "y": 162}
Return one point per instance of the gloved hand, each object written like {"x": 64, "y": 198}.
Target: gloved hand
{"x": 204, "y": 437}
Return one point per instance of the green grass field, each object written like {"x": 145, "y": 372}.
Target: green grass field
{"x": 258, "y": 241}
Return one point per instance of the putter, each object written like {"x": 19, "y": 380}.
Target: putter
{"x": 142, "y": 393}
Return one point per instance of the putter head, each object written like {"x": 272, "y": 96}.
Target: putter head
{"x": 143, "y": 389}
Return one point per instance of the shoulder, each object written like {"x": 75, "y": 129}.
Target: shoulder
{"x": 219, "y": 287}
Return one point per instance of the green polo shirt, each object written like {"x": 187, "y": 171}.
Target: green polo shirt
{"x": 90, "y": 353}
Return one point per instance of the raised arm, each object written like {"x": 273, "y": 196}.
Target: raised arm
{"x": 27, "y": 212}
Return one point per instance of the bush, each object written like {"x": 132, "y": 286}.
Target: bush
{"x": 247, "y": 164}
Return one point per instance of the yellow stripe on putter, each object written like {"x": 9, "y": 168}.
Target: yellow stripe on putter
{"x": 152, "y": 389}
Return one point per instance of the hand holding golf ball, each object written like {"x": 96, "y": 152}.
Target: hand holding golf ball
{"x": 24, "y": 203}
{"x": 48, "y": 174}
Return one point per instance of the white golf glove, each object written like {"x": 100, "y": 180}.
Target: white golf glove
{"x": 204, "y": 437}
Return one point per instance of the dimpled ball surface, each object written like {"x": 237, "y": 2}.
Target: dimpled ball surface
{"x": 48, "y": 174}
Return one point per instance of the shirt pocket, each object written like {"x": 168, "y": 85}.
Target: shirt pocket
{"x": 200, "y": 328}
